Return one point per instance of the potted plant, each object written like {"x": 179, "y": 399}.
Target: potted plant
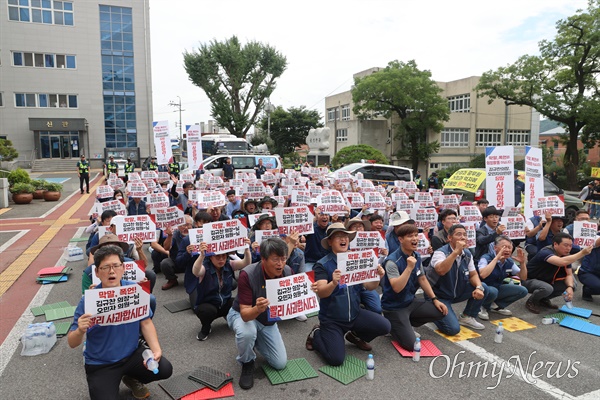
{"x": 18, "y": 175}
{"x": 52, "y": 192}
{"x": 22, "y": 192}
{"x": 40, "y": 187}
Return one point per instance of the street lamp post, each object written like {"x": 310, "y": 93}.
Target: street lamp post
{"x": 178, "y": 105}
{"x": 269, "y": 109}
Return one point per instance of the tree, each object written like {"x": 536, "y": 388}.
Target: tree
{"x": 237, "y": 79}
{"x": 355, "y": 153}
{"x": 262, "y": 138}
{"x": 290, "y": 128}
{"x": 561, "y": 83}
{"x": 402, "y": 90}
{"x": 7, "y": 151}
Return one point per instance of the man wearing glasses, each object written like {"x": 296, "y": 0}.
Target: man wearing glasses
{"x": 113, "y": 352}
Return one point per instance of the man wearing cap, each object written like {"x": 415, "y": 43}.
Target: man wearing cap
{"x": 340, "y": 315}
{"x": 174, "y": 168}
{"x": 83, "y": 171}
{"x": 549, "y": 272}
{"x": 267, "y": 203}
{"x": 397, "y": 219}
{"x": 454, "y": 279}
{"x": 111, "y": 167}
{"x": 232, "y": 203}
{"x": 486, "y": 235}
{"x": 153, "y": 166}
{"x": 251, "y": 206}
{"x": 129, "y": 169}
{"x": 433, "y": 181}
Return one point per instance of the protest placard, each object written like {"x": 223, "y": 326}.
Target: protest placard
{"x": 551, "y": 204}
{"x": 423, "y": 246}
{"x": 367, "y": 240}
{"x": 252, "y": 218}
{"x": 424, "y": 218}
{"x": 423, "y": 197}
{"x": 294, "y": 219}
{"x": 134, "y": 271}
{"x": 343, "y": 176}
{"x": 499, "y": 184}
{"x": 187, "y": 177}
{"x": 194, "y": 146}
{"x": 116, "y": 183}
{"x": 164, "y": 177}
{"x": 406, "y": 205}
{"x": 133, "y": 176}
{"x": 584, "y": 233}
{"x": 357, "y": 267}
{"x": 397, "y": 196}
{"x": 225, "y": 236}
{"x": 254, "y": 190}
{"x": 168, "y": 216}
{"x": 449, "y": 201}
{"x": 515, "y": 227}
{"x": 364, "y": 184}
{"x": 157, "y": 200}
{"x": 137, "y": 189}
{"x": 162, "y": 143}
{"x": 115, "y": 205}
{"x": 534, "y": 178}
{"x": 128, "y": 228}
{"x": 470, "y": 214}
{"x": 104, "y": 192}
{"x": 260, "y": 235}
{"x": 210, "y": 199}
{"x": 374, "y": 200}
{"x": 149, "y": 175}
{"x": 116, "y": 306}
{"x": 331, "y": 202}
{"x": 215, "y": 182}
{"x": 471, "y": 228}
{"x": 290, "y": 297}
{"x": 300, "y": 197}
{"x": 511, "y": 212}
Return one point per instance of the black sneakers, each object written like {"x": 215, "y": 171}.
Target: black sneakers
{"x": 247, "y": 377}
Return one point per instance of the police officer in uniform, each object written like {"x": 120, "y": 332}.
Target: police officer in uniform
{"x": 129, "y": 169}
{"x": 83, "y": 170}
{"x": 174, "y": 168}
{"x": 111, "y": 167}
{"x": 153, "y": 166}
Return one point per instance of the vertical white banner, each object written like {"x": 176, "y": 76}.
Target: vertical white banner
{"x": 499, "y": 184}
{"x": 534, "y": 179}
{"x": 194, "y": 147}
{"x": 162, "y": 142}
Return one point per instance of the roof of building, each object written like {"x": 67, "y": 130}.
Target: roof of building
{"x": 548, "y": 124}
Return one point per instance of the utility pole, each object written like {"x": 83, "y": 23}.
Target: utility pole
{"x": 178, "y": 105}
{"x": 269, "y": 109}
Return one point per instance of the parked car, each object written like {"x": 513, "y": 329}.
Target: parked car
{"x": 380, "y": 174}
{"x": 470, "y": 182}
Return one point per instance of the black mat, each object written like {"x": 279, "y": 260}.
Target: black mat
{"x": 179, "y": 305}
{"x": 211, "y": 377}
{"x": 180, "y": 386}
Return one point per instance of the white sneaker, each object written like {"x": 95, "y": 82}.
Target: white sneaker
{"x": 502, "y": 311}
{"x": 302, "y": 318}
{"x": 483, "y": 314}
{"x": 470, "y": 322}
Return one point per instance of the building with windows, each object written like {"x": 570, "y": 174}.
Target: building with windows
{"x": 473, "y": 125}
{"x": 75, "y": 79}
{"x": 551, "y": 134}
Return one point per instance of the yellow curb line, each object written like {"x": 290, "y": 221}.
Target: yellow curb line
{"x": 9, "y": 276}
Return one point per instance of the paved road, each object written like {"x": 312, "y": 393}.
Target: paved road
{"x": 556, "y": 352}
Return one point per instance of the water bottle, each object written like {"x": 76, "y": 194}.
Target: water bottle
{"x": 49, "y": 336}
{"x": 499, "y": 333}
{"x": 417, "y": 350}
{"x": 151, "y": 363}
{"x": 550, "y": 321}
{"x": 568, "y": 302}
{"x": 370, "y": 367}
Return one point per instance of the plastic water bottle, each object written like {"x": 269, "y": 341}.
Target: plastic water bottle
{"x": 50, "y": 336}
{"x": 499, "y": 333}
{"x": 370, "y": 367}
{"x": 151, "y": 363}
{"x": 550, "y": 321}
{"x": 417, "y": 350}
{"x": 568, "y": 302}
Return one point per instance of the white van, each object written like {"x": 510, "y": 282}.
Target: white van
{"x": 223, "y": 143}
{"x": 241, "y": 162}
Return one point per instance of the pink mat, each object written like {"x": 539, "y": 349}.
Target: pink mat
{"x": 428, "y": 349}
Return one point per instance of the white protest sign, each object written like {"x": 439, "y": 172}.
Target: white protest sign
{"x": 252, "y": 218}
{"x": 259, "y": 236}
{"x": 354, "y": 199}
{"x": 294, "y": 219}
{"x": 471, "y": 229}
{"x": 515, "y": 227}
{"x": 300, "y": 197}
{"x": 157, "y": 200}
{"x": 449, "y": 201}
{"x": 374, "y": 200}
{"x": 149, "y": 175}
{"x": 534, "y": 179}
{"x": 132, "y": 271}
{"x": 423, "y": 197}
{"x": 195, "y": 235}
{"x": 187, "y": 177}
{"x": 164, "y": 176}
{"x": 254, "y": 190}
{"x": 116, "y": 306}
{"x": 423, "y": 246}
{"x": 168, "y": 216}
{"x": 210, "y": 199}
{"x": 406, "y": 205}
{"x": 584, "y": 233}
{"x": 424, "y": 218}
{"x": 290, "y": 297}
{"x": 133, "y": 176}
{"x": 115, "y": 205}
{"x": 400, "y": 184}
{"x": 511, "y": 212}
{"x": 137, "y": 189}
{"x": 194, "y": 147}
{"x": 470, "y": 214}
{"x": 397, "y": 196}
{"x": 331, "y": 202}
{"x": 225, "y": 236}
{"x": 499, "y": 183}
{"x": 367, "y": 240}
{"x": 162, "y": 142}
{"x": 105, "y": 192}
{"x": 343, "y": 176}
{"x": 357, "y": 267}
{"x": 128, "y": 228}
{"x": 116, "y": 183}
{"x": 551, "y": 204}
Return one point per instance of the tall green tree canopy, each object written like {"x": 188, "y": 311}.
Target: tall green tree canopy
{"x": 7, "y": 151}
{"x": 237, "y": 79}
{"x": 561, "y": 82}
{"x": 290, "y": 127}
{"x": 402, "y": 90}
{"x": 355, "y": 153}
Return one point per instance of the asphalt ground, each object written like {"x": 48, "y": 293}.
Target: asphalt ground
{"x": 566, "y": 363}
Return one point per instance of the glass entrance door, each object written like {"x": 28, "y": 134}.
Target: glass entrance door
{"x": 59, "y": 144}
{"x": 55, "y": 146}
{"x": 65, "y": 146}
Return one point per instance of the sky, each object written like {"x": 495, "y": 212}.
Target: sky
{"x": 326, "y": 42}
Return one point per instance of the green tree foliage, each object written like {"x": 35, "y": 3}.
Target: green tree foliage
{"x": 18, "y": 175}
{"x": 353, "y": 154}
{"x": 290, "y": 127}
{"x": 237, "y": 79}
{"x": 262, "y": 138}
{"x": 478, "y": 161}
{"x": 402, "y": 90}
{"x": 7, "y": 151}
{"x": 561, "y": 83}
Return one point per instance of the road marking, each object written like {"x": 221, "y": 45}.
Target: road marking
{"x": 13, "y": 239}
{"x": 3, "y": 210}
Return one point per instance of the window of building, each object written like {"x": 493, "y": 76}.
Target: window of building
{"x": 555, "y": 141}
{"x": 518, "y": 138}
{"x": 45, "y": 100}
{"x": 333, "y": 114}
{"x": 118, "y": 80}
{"x": 460, "y": 103}
{"x": 342, "y": 135}
{"x": 1, "y": 99}
{"x": 43, "y": 60}
{"x": 488, "y": 137}
{"x": 434, "y": 165}
{"x": 455, "y": 137}
{"x": 50, "y": 12}
{"x": 346, "y": 112}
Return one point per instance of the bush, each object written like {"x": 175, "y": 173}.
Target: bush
{"x": 22, "y": 187}
{"x": 18, "y": 175}
{"x": 355, "y": 153}
{"x": 53, "y": 187}
{"x": 39, "y": 184}
{"x": 7, "y": 151}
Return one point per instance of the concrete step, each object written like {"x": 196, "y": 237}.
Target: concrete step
{"x": 51, "y": 165}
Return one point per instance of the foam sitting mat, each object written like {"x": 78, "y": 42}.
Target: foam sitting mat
{"x": 561, "y": 315}
{"x": 580, "y": 312}
{"x": 37, "y": 311}
{"x": 179, "y": 305}
{"x": 581, "y": 326}
{"x": 295, "y": 370}
{"x": 210, "y": 377}
{"x": 513, "y": 324}
{"x": 351, "y": 369}
{"x": 45, "y": 280}
{"x": 428, "y": 349}
{"x": 62, "y": 327}
{"x": 180, "y": 386}
{"x": 60, "y": 313}
{"x": 208, "y": 393}
{"x": 464, "y": 334}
